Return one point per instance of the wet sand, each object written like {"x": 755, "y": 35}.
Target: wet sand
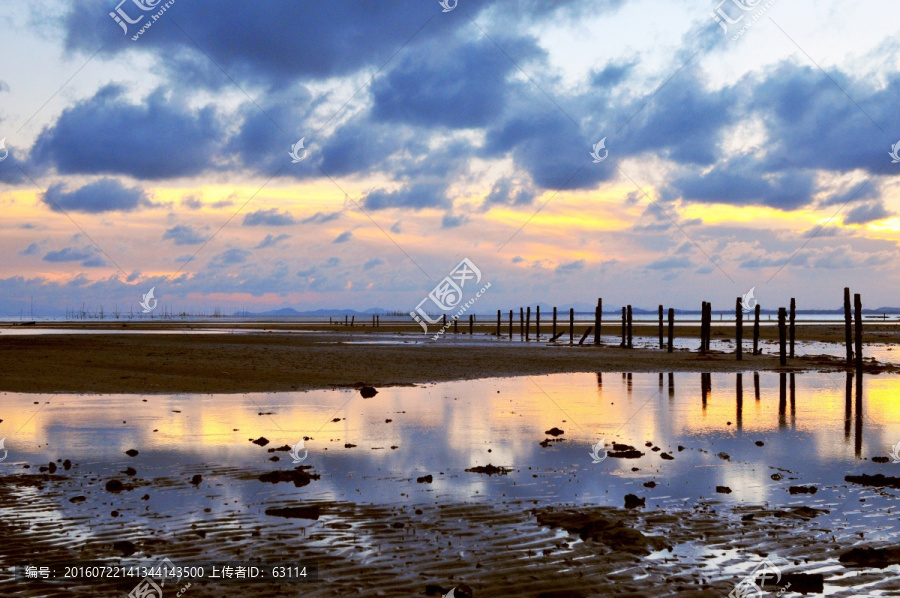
{"x": 252, "y": 361}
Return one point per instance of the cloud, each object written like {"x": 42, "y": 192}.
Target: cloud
{"x": 230, "y": 257}
{"x": 32, "y": 249}
{"x": 105, "y": 195}
{"x": 505, "y": 192}
{"x": 670, "y": 263}
{"x": 343, "y": 237}
{"x": 868, "y": 212}
{"x": 191, "y": 202}
{"x": 184, "y": 234}
{"x": 372, "y": 263}
{"x": 155, "y": 139}
{"x": 416, "y": 197}
{"x": 90, "y": 257}
{"x": 569, "y": 267}
{"x": 270, "y": 217}
{"x": 451, "y": 221}
{"x": 320, "y": 217}
{"x": 272, "y": 241}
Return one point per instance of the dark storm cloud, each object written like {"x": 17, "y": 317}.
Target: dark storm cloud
{"x": 744, "y": 182}
{"x": 105, "y": 195}
{"x": 107, "y": 134}
{"x": 417, "y": 197}
{"x": 867, "y": 212}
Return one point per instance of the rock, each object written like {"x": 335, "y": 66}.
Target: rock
{"x": 599, "y": 525}
{"x": 546, "y": 441}
{"x": 723, "y": 489}
{"x": 427, "y": 479}
{"x": 489, "y": 469}
{"x": 275, "y": 458}
{"x": 52, "y": 467}
{"x": 871, "y": 557}
{"x": 261, "y": 441}
{"x": 196, "y": 479}
{"x": 680, "y": 448}
{"x": 294, "y": 512}
{"x": 777, "y": 477}
{"x": 878, "y": 480}
{"x": 803, "y": 489}
{"x": 131, "y": 453}
{"x": 759, "y": 443}
{"x": 114, "y": 486}
{"x": 650, "y": 484}
{"x": 67, "y": 465}
{"x": 298, "y": 476}
{"x": 349, "y": 445}
{"x": 145, "y": 497}
{"x": 880, "y": 459}
{"x": 131, "y": 471}
{"x": 125, "y": 547}
{"x": 554, "y": 432}
{"x": 656, "y": 449}
{"x": 284, "y": 449}
{"x": 803, "y": 583}
{"x": 77, "y": 499}
{"x": 724, "y": 456}
{"x": 387, "y": 421}
{"x": 633, "y": 502}
{"x": 368, "y": 392}
{"x": 666, "y": 456}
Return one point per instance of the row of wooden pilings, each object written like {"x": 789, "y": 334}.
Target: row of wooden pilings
{"x": 786, "y": 328}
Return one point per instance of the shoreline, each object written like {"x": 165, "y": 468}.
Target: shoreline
{"x": 282, "y": 362}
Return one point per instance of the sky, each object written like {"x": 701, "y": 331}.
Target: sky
{"x": 747, "y": 150}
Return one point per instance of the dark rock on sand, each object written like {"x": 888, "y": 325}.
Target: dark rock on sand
{"x": 368, "y": 392}
{"x": 489, "y": 469}
{"x": 131, "y": 453}
{"x": 554, "y": 432}
{"x": 604, "y": 526}
{"x": 724, "y": 456}
{"x": 777, "y": 477}
{"x": 878, "y": 480}
{"x": 294, "y": 512}
{"x": 427, "y": 479}
{"x": 666, "y": 456}
{"x": 349, "y": 445}
{"x": 77, "y": 499}
{"x": 125, "y": 547}
{"x": 67, "y": 465}
{"x": 803, "y": 489}
{"x": 261, "y": 441}
{"x": 298, "y": 476}
{"x": 631, "y": 453}
{"x": 114, "y": 486}
{"x": 871, "y": 557}
{"x": 52, "y": 467}
{"x": 196, "y": 479}
{"x": 284, "y": 449}
{"x": 804, "y": 583}
{"x": 546, "y": 441}
{"x": 633, "y": 502}
{"x": 759, "y": 443}
{"x": 650, "y": 484}
{"x": 880, "y": 459}
{"x": 723, "y": 489}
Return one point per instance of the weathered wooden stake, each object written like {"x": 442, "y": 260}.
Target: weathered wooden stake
{"x": 373, "y": 320}
{"x": 782, "y": 335}
{"x": 661, "y": 344}
{"x": 498, "y": 323}
{"x": 528, "y": 323}
{"x": 739, "y": 329}
{"x": 346, "y": 319}
{"x": 471, "y": 322}
{"x": 510, "y": 324}
{"x": 703, "y": 328}
{"x": 353, "y": 321}
{"x": 671, "y": 329}
{"x": 554, "y": 323}
{"x": 630, "y": 338}
{"x": 756, "y": 311}
{"x": 792, "y": 317}
{"x": 624, "y": 327}
{"x": 537, "y": 322}
{"x": 455, "y": 322}
{"x": 598, "y": 320}
{"x": 848, "y": 318}
{"x": 444, "y": 318}
{"x": 571, "y": 325}
{"x": 556, "y": 336}
{"x": 708, "y": 324}
{"x": 857, "y": 308}
{"x": 521, "y": 323}
{"x": 585, "y": 335}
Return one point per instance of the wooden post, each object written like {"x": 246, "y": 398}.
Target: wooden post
{"x": 782, "y": 334}
{"x": 708, "y": 324}
{"x": 585, "y": 335}
{"x": 498, "y": 323}
{"x": 444, "y": 321}
{"x": 661, "y": 344}
{"x": 703, "y": 328}
{"x": 373, "y": 320}
{"x": 528, "y": 323}
{"x": 739, "y": 329}
{"x": 537, "y": 322}
{"x": 671, "y": 329}
{"x": 471, "y": 322}
{"x": 554, "y": 322}
{"x": 353, "y": 321}
{"x": 598, "y": 320}
{"x": 630, "y": 338}
{"x": 346, "y": 319}
{"x": 624, "y": 327}
{"x": 793, "y": 315}
{"x": 571, "y": 325}
{"x": 455, "y": 322}
{"x": 510, "y": 324}
{"x": 848, "y": 317}
{"x": 521, "y": 323}
{"x": 857, "y": 308}
{"x": 756, "y": 311}
{"x": 378, "y": 321}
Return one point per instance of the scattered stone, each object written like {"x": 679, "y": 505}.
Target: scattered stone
{"x": 633, "y": 502}
{"x": 650, "y": 484}
{"x": 52, "y": 467}
{"x": 723, "y": 489}
{"x": 546, "y": 441}
{"x": 877, "y": 480}
{"x": 285, "y": 449}
{"x": 648, "y": 444}
{"x": 777, "y": 477}
{"x": 387, "y": 421}
{"x": 489, "y": 469}
{"x": 145, "y": 497}
{"x": 759, "y": 443}
{"x": 131, "y": 471}
{"x": 131, "y": 453}
{"x": 368, "y": 392}
{"x": 595, "y": 524}
{"x": 196, "y": 479}
{"x": 724, "y": 456}
{"x": 294, "y": 512}
{"x": 554, "y": 431}
{"x": 67, "y": 465}
{"x": 666, "y": 456}
{"x": 114, "y": 486}
{"x": 125, "y": 547}
{"x": 275, "y": 458}
{"x": 425, "y": 479}
{"x": 656, "y": 449}
{"x": 298, "y": 476}
{"x": 261, "y": 441}
{"x": 77, "y": 499}
{"x": 880, "y": 459}
{"x": 335, "y": 420}
{"x": 349, "y": 445}
{"x": 871, "y": 557}
{"x": 680, "y": 448}
{"x": 804, "y": 583}
{"x": 114, "y": 513}
{"x": 803, "y": 489}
